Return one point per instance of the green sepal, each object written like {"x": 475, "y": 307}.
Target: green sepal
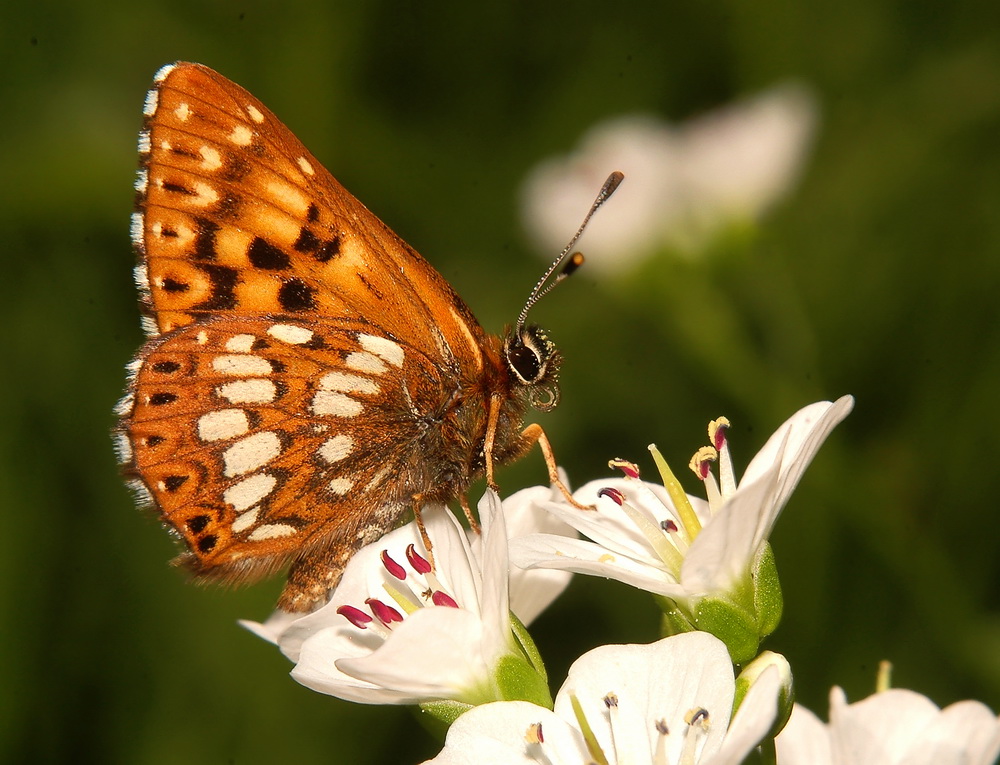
{"x": 517, "y": 680}
{"x": 674, "y": 620}
{"x": 437, "y": 716}
{"x": 733, "y": 625}
{"x": 768, "y": 601}
{"x": 527, "y": 645}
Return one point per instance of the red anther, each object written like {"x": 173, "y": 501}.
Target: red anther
{"x": 612, "y": 494}
{"x": 440, "y": 598}
{"x": 419, "y": 563}
{"x": 392, "y": 567}
{"x": 384, "y": 613}
{"x": 355, "y": 616}
{"x": 668, "y": 526}
{"x": 630, "y": 469}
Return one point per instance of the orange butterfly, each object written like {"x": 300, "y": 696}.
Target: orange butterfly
{"x": 308, "y": 377}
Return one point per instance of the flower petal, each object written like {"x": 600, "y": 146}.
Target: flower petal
{"x": 565, "y": 554}
{"x": 805, "y": 740}
{"x": 494, "y": 734}
{"x": 533, "y": 590}
{"x": 660, "y": 681}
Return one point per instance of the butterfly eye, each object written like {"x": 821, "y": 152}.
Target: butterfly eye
{"x": 534, "y": 360}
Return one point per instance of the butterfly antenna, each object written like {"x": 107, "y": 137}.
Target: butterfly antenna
{"x": 572, "y": 262}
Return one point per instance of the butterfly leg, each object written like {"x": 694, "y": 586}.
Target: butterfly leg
{"x": 534, "y": 434}
{"x": 418, "y": 500}
{"x": 469, "y": 515}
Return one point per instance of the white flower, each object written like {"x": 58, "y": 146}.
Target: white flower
{"x": 679, "y": 546}
{"x": 668, "y": 703}
{"x": 395, "y": 632}
{"x": 893, "y": 727}
{"x": 684, "y": 184}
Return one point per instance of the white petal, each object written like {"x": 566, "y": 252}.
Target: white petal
{"x": 753, "y": 719}
{"x": 660, "y": 681}
{"x": 494, "y": 734}
{"x": 721, "y": 554}
{"x": 794, "y": 445}
{"x": 805, "y": 740}
{"x": 533, "y": 590}
{"x": 495, "y": 599}
{"x": 433, "y": 654}
{"x": 550, "y": 551}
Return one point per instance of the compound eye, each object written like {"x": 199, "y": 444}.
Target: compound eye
{"x": 524, "y": 360}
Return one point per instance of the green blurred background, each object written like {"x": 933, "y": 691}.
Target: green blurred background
{"x": 877, "y": 277}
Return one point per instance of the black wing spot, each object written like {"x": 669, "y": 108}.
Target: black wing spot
{"x": 198, "y": 523}
{"x": 224, "y": 281}
{"x": 174, "y": 482}
{"x": 172, "y": 285}
{"x": 312, "y": 215}
{"x": 207, "y": 543}
{"x": 166, "y": 367}
{"x": 296, "y": 295}
{"x": 162, "y": 398}
{"x": 177, "y": 188}
{"x": 204, "y": 242}
{"x": 263, "y": 254}
{"x": 154, "y": 440}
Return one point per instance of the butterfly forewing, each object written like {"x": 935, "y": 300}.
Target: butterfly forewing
{"x": 236, "y": 216}
{"x": 309, "y": 378}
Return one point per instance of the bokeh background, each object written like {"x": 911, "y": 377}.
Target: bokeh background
{"x": 877, "y": 275}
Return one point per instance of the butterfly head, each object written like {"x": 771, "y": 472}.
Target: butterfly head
{"x": 534, "y": 361}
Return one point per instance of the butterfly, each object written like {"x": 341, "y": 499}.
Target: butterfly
{"x": 308, "y": 378}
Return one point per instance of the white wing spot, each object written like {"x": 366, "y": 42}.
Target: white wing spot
{"x": 335, "y": 449}
{"x": 152, "y": 98}
{"x": 241, "y": 366}
{"x": 336, "y": 404}
{"x": 212, "y": 158}
{"x": 205, "y": 195}
{"x": 142, "y": 180}
{"x": 362, "y": 361}
{"x": 248, "y": 391}
{"x": 340, "y": 485}
{"x": 251, "y": 453}
{"x": 136, "y": 229}
{"x": 290, "y": 333}
{"x": 182, "y": 112}
{"x": 245, "y": 520}
{"x": 379, "y": 477}
{"x": 223, "y": 424}
{"x": 255, "y": 113}
{"x": 241, "y": 135}
{"x": 347, "y": 383}
{"x": 249, "y": 491}
{"x": 201, "y": 338}
{"x": 240, "y": 343}
{"x": 307, "y": 168}
{"x": 162, "y": 72}
{"x": 123, "y": 448}
{"x": 271, "y": 531}
{"x": 383, "y": 348}
{"x": 141, "y": 276}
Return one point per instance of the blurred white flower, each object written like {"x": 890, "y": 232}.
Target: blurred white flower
{"x": 669, "y": 702}
{"x": 684, "y": 184}
{"x": 893, "y": 727}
